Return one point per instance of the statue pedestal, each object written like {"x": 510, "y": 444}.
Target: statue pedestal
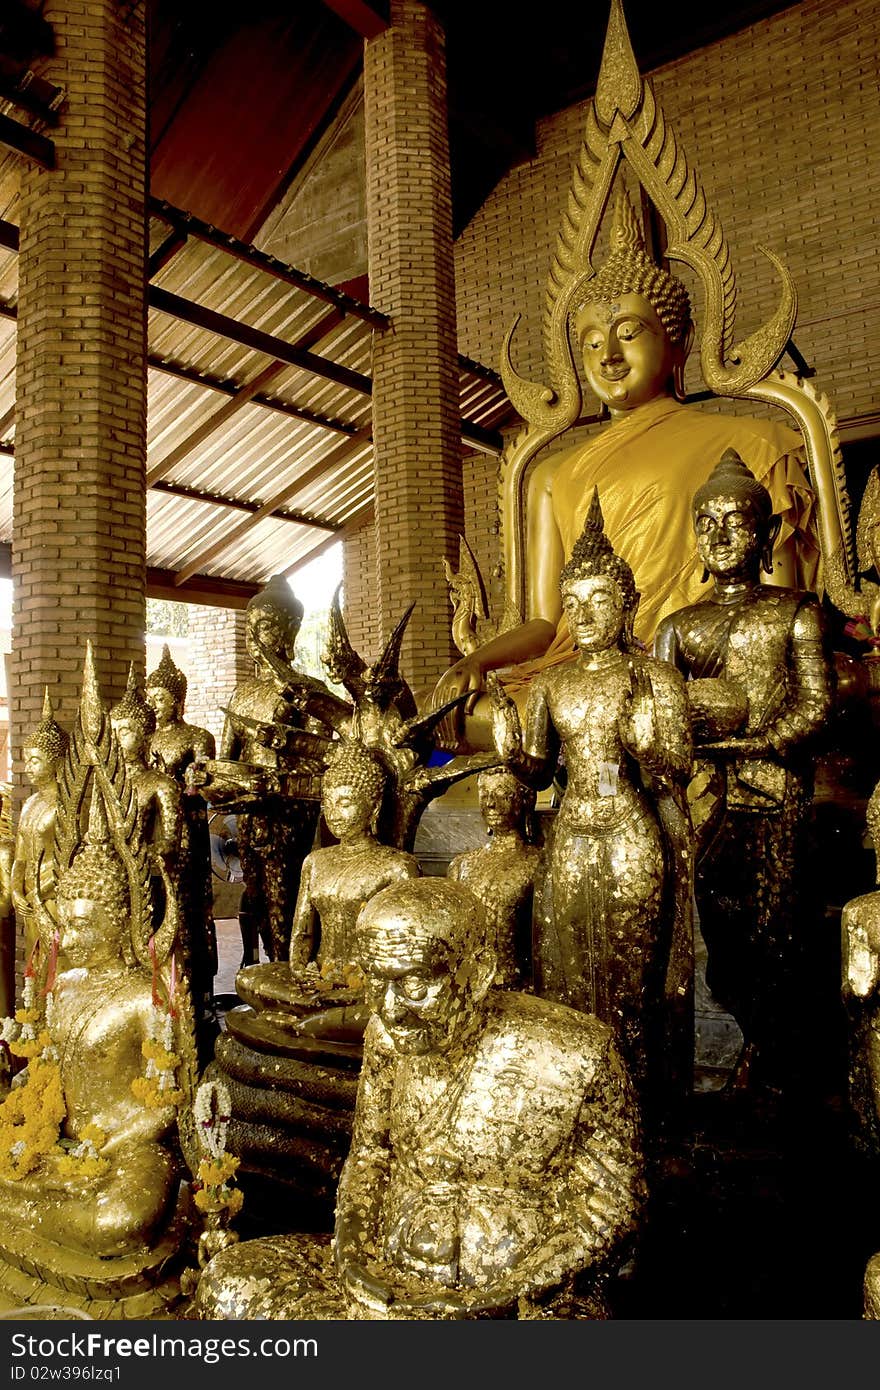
{"x": 143, "y": 1285}
{"x": 291, "y": 1066}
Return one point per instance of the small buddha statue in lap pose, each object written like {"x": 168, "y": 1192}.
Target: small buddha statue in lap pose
{"x": 502, "y": 873}
{"x": 608, "y": 921}
{"x": 632, "y": 324}
{"x": 770, "y": 644}
{"x": 337, "y": 880}
{"x": 322, "y": 986}
{"x": 175, "y": 746}
{"x": 495, "y": 1167}
{"x": 43, "y": 751}
{"x": 88, "y": 1176}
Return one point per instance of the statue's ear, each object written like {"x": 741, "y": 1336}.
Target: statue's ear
{"x": 482, "y": 972}
{"x": 773, "y": 526}
{"x": 681, "y": 352}
{"x": 629, "y": 619}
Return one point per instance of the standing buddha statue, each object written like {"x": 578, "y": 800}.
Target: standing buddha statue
{"x": 276, "y": 828}
{"x": 43, "y": 751}
{"x": 159, "y": 810}
{"x": 174, "y": 747}
{"x": 501, "y": 874}
{"x": 770, "y": 645}
{"x": 613, "y": 911}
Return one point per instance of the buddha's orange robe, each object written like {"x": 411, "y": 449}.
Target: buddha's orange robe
{"x": 647, "y": 466}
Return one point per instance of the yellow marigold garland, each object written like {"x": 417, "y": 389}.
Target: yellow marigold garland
{"x": 30, "y": 1119}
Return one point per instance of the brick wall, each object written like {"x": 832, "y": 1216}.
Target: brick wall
{"x": 783, "y": 124}
{"x": 416, "y": 427}
{"x": 79, "y": 524}
{"x": 216, "y": 661}
{"x": 360, "y": 609}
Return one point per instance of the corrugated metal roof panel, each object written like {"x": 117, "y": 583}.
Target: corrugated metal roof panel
{"x": 250, "y": 452}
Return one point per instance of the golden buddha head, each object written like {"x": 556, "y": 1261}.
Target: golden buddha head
{"x": 734, "y": 522}
{"x": 504, "y": 800}
{"x": 133, "y": 720}
{"x": 92, "y": 896}
{"x": 632, "y": 322}
{"x": 44, "y": 747}
{"x": 166, "y": 690}
{"x": 273, "y": 619}
{"x": 421, "y": 945}
{"x": 352, "y": 791}
{"x": 599, "y": 595}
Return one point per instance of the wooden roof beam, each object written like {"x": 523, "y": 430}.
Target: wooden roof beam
{"x": 229, "y": 387}
{"x": 340, "y": 454}
{"x": 188, "y": 225}
{"x": 220, "y": 499}
{"x": 25, "y": 141}
{"x": 225, "y": 327}
{"x": 206, "y": 589}
{"x": 366, "y": 20}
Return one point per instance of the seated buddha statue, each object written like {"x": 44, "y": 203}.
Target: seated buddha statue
{"x": 632, "y": 326}
{"x": 502, "y": 873}
{"x": 98, "y": 1016}
{"x": 612, "y": 917}
{"x": 322, "y": 985}
{"x": 43, "y": 751}
{"x": 495, "y": 1169}
{"x": 88, "y": 1177}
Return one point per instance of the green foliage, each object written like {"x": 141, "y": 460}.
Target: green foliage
{"x": 166, "y": 618}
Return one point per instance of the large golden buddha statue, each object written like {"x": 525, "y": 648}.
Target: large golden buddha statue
{"x": 88, "y": 1175}
{"x": 495, "y": 1167}
{"x": 629, "y": 321}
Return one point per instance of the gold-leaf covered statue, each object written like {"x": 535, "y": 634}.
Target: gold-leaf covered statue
{"x": 502, "y": 873}
{"x": 770, "y": 644}
{"x": 267, "y": 757}
{"x": 860, "y": 969}
{"x": 88, "y": 1178}
{"x": 174, "y": 747}
{"x": 382, "y": 716}
{"x": 495, "y": 1166}
{"x": 612, "y": 927}
{"x": 629, "y": 321}
{"x": 322, "y": 987}
{"x": 43, "y": 751}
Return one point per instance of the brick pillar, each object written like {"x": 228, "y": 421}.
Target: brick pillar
{"x": 416, "y": 422}
{"x": 216, "y": 662}
{"x": 80, "y": 438}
